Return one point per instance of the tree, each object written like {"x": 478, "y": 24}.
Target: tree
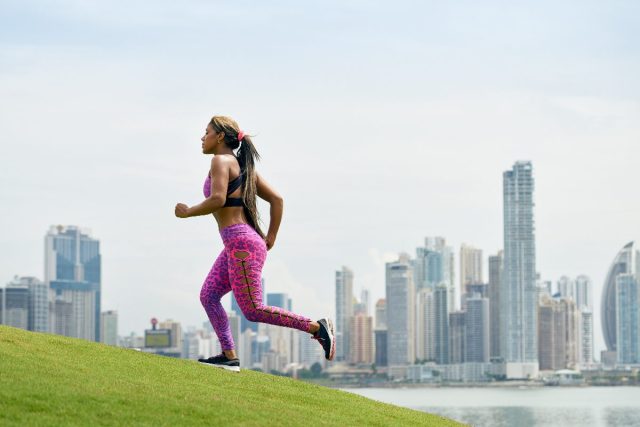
{"x": 316, "y": 369}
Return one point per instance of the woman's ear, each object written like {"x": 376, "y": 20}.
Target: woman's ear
{"x": 220, "y": 137}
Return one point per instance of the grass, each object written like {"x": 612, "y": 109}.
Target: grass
{"x": 49, "y": 379}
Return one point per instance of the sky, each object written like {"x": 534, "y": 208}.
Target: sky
{"x": 380, "y": 125}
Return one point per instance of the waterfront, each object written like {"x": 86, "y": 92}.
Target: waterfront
{"x": 525, "y": 406}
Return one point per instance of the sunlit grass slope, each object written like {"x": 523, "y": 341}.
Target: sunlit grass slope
{"x": 48, "y": 379}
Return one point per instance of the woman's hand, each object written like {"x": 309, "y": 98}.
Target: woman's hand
{"x": 182, "y": 210}
{"x": 269, "y": 239}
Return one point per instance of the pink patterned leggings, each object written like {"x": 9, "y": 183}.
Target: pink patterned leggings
{"x": 238, "y": 268}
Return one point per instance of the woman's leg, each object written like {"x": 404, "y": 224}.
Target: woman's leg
{"x": 246, "y": 256}
{"x": 215, "y": 286}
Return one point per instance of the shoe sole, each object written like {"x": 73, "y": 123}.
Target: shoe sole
{"x": 225, "y": 367}
{"x": 332, "y": 352}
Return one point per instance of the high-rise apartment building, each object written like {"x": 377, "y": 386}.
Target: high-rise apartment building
{"x": 36, "y": 308}
{"x": 477, "y": 323}
{"x": 14, "y": 305}
{"x": 457, "y": 337}
{"x": 109, "y": 327}
{"x": 586, "y": 337}
{"x": 425, "y": 324}
{"x": 361, "y": 333}
{"x": 381, "y": 314}
{"x": 566, "y": 287}
{"x": 518, "y": 296}
{"x": 470, "y": 267}
{"x": 628, "y": 318}
{"x": 434, "y": 265}
{"x": 584, "y": 292}
{"x": 495, "y": 286}
{"x": 344, "y": 311}
{"x": 441, "y": 320}
{"x": 400, "y": 298}
{"x": 559, "y": 333}
{"x": 72, "y": 273}
{"x": 620, "y": 293}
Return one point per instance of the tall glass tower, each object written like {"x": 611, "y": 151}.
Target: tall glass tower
{"x": 72, "y": 273}
{"x": 344, "y": 312}
{"x": 433, "y": 266}
{"x": 518, "y": 296}
{"x": 400, "y": 293}
{"x": 620, "y": 305}
{"x": 625, "y": 262}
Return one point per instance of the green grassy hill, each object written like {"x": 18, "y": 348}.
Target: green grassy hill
{"x": 49, "y": 379}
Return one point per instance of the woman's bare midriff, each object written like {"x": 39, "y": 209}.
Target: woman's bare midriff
{"x": 229, "y": 216}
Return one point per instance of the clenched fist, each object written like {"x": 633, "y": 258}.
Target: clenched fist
{"x": 182, "y": 210}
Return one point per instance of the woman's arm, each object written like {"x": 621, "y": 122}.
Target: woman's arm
{"x": 269, "y": 194}
{"x": 219, "y": 183}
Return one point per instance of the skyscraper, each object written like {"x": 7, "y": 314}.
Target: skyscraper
{"x": 518, "y": 296}
{"x": 109, "y": 326}
{"x": 627, "y": 261}
{"x": 566, "y": 287}
{"x": 400, "y": 312}
{"x": 381, "y": 347}
{"x": 309, "y": 351}
{"x": 37, "y": 304}
{"x": 434, "y": 265}
{"x": 441, "y": 320}
{"x": 583, "y": 289}
{"x": 365, "y": 301}
{"x": 477, "y": 329}
{"x": 344, "y": 311}
{"x": 559, "y": 334}
{"x": 457, "y": 337}
{"x": 495, "y": 274}
{"x": 361, "y": 333}
{"x": 381, "y": 314}
{"x": 14, "y": 305}
{"x": 380, "y": 333}
{"x": 61, "y": 317}
{"x": 586, "y": 337}
{"x": 425, "y": 324}
{"x": 72, "y": 273}
{"x": 247, "y": 341}
{"x": 470, "y": 266}
{"x": 627, "y": 318}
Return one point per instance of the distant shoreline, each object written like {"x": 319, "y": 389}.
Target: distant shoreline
{"x": 505, "y": 384}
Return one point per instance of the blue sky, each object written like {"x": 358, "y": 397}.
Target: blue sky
{"x": 379, "y": 124}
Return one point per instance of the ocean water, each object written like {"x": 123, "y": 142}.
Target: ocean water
{"x": 525, "y": 406}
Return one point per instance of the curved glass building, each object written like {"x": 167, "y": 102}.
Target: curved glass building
{"x": 625, "y": 264}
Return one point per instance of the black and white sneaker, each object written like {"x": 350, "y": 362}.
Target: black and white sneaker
{"x": 221, "y": 361}
{"x": 326, "y": 338}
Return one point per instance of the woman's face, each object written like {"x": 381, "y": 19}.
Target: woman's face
{"x": 210, "y": 139}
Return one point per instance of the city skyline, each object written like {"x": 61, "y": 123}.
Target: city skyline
{"x": 578, "y": 292}
{"x": 73, "y": 259}
{"x": 120, "y": 120}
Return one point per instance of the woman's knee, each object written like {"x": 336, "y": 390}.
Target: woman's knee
{"x": 252, "y": 314}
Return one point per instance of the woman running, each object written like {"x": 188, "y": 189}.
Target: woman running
{"x": 230, "y": 190}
